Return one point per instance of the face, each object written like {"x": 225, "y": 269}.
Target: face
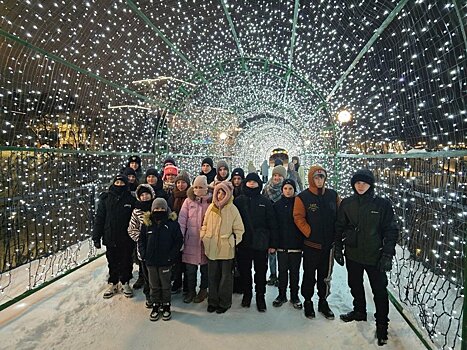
{"x": 170, "y": 177}
{"x": 361, "y": 187}
{"x": 131, "y": 179}
{"x": 236, "y": 181}
{"x": 288, "y": 191}
{"x": 181, "y": 185}
{"x": 294, "y": 161}
{"x": 223, "y": 172}
{"x": 202, "y": 191}
{"x": 252, "y": 184}
{"x": 220, "y": 195}
{"x": 158, "y": 209}
{"x": 119, "y": 183}
{"x": 151, "y": 179}
{"x": 319, "y": 180}
{"x": 134, "y": 165}
{"x": 205, "y": 168}
{"x": 144, "y": 197}
{"x": 276, "y": 178}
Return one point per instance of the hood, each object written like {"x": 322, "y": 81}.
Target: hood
{"x": 311, "y": 184}
{"x": 153, "y": 194}
{"x": 147, "y": 217}
{"x": 227, "y": 187}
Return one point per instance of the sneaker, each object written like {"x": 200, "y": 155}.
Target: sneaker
{"x": 211, "y": 308}
{"x": 127, "y": 291}
{"x": 296, "y": 303}
{"x": 323, "y": 307}
{"x": 221, "y": 310}
{"x": 272, "y": 280}
{"x": 279, "y": 301}
{"x": 309, "y": 310}
{"x": 189, "y": 297}
{"x": 246, "y": 300}
{"x": 166, "y": 314}
{"x": 202, "y": 294}
{"x": 111, "y": 291}
{"x": 260, "y": 303}
{"x": 353, "y": 316}
{"x": 382, "y": 334}
{"x": 139, "y": 282}
{"x": 156, "y": 312}
{"x": 148, "y": 304}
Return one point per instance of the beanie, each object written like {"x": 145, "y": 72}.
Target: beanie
{"x": 183, "y": 175}
{"x": 208, "y": 161}
{"x": 159, "y": 203}
{"x": 135, "y": 159}
{"x": 222, "y": 164}
{"x": 289, "y": 182}
{"x": 129, "y": 171}
{"x": 279, "y": 169}
{"x": 121, "y": 178}
{"x": 254, "y": 177}
{"x": 364, "y": 175}
{"x": 238, "y": 172}
{"x": 170, "y": 170}
{"x": 200, "y": 181}
{"x": 169, "y": 160}
{"x": 152, "y": 171}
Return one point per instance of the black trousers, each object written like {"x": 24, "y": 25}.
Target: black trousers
{"x": 289, "y": 263}
{"x": 177, "y": 272}
{"x": 120, "y": 262}
{"x": 317, "y": 269}
{"x": 191, "y": 275}
{"x": 143, "y": 270}
{"x": 246, "y": 258}
{"x": 378, "y": 283}
{"x": 159, "y": 282}
{"x": 220, "y": 283}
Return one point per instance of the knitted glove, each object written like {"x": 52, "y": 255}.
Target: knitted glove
{"x": 385, "y": 263}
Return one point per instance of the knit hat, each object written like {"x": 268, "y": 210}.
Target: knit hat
{"x": 170, "y": 170}
{"x": 135, "y": 159}
{"x": 200, "y": 181}
{"x": 183, "y": 175}
{"x": 364, "y": 175}
{"x": 222, "y": 164}
{"x": 121, "y": 178}
{"x": 253, "y": 177}
{"x": 152, "y": 171}
{"x": 238, "y": 172}
{"x": 129, "y": 171}
{"x": 159, "y": 203}
{"x": 144, "y": 188}
{"x": 169, "y": 160}
{"x": 279, "y": 169}
{"x": 208, "y": 161}
{"x": 289, "y": 182}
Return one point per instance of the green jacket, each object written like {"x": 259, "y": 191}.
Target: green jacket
{"x": 366, "y": 227}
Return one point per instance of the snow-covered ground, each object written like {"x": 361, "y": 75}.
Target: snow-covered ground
{"x": 71, "y": 314}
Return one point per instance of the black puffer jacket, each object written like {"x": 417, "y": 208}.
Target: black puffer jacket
{"x": 366, "y": 227}
{"x": 259, "y": 220}
{"x": 112, "y": 218}
{"x": 159, "y": 243}
{"x": 290, "y": 236}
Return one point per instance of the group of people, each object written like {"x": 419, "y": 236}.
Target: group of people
{"x": 225, "y": 223}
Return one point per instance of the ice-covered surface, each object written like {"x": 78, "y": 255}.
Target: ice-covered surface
{"x": 71, "y": 314}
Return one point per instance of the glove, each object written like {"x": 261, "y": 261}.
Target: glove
{"x": 339, "y": 256}
{"x": 385, "y": 263}
{"x": 97, "y": 244}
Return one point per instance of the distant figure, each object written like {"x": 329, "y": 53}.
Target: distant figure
{"x": 292, "y": 174}
{"x": 301, "y": 172}
{"x": 265, "y": 170}
{"x": 251, "y": 167}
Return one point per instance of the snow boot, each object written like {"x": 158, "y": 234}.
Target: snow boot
{"x": 211, "y": 308}
{"x": 221, "y": 310}
{"x": 353, "y": 316}
{"x": 272, "y": 280}
{"x": 111, "y": 291}
{"x": 246, "y": 300}
{"x": 281, "y": 299}
{"x": 127, "y": 291}
{"x": 148, "y": 304}
{"x": 166, "y": 314}
{"x": 202, "y": 294}
{"x": 323, "y": 307}
{"x": 309, "y": 310}
{"x": 156, "y": 312}
{"x": 260, "y": 303}
{"x": 139, "y": 282}
{"x": 382, "y": 334}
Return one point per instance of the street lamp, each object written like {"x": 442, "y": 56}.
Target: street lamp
{"x": 344, "y": 116}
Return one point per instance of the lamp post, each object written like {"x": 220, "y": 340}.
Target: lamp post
{"x": 343, "y": 117}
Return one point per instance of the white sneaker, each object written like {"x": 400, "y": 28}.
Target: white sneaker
{"x": 127, "y": 291}
{"x": 111, "y": 291}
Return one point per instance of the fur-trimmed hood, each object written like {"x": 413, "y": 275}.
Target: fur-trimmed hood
{"x": 147, "y": 217}
{"x": 147, "y": 186}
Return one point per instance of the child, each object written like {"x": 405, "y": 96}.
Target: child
{"x": 191, "y": 220}
{"x": 154, "y": 179}
{"x": 290, "y": 243}
{"x": 145, "y": 195}
{"x": 208, "y": 170}
{"x": 222, "y": 173}
{"x": 238, "y": 175}
{"x": 222, "y": 229}
{"x": 159, "y": 243}
{"x": 170, "y": 173}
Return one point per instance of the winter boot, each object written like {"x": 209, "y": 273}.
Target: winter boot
{"x": 221, "y": 310}
{"x": 156, "y": 312}
{"x": 309, "y": 310}
{"x": 323, "y": 307}
{"x": 139, "y": 282}
{"x": 296, "y": 303}
{"x": 148, "y": 303}
{"x": 382, "y": 334}
{"x": 246, "y": 300}
{"x": 211, "y": 308}
{"x": 127, "y": 291}
{"x": 281, "y": 299}
{"x": 202, "y": 294}
{"x": 272, "y": 280}
{"x": 111, "y": 291}
{"x": 166, "y": 314}
{"x": 260, "y": 303}
{"x": 353, "y": 316}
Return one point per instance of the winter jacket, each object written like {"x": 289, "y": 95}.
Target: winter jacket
{"x": 290, "y": 236}
{"x": 366, "y": 227}
{"x": 191, "y": 219}
{"x": 315, "y": 214}
{"x": 112, "y": 218}
{"x": 258, "y": 219}
{"x": 222, "y": 229}
{"x": 160, "y": 243}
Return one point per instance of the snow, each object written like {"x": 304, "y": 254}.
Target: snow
{"x": 71, "y": 313}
